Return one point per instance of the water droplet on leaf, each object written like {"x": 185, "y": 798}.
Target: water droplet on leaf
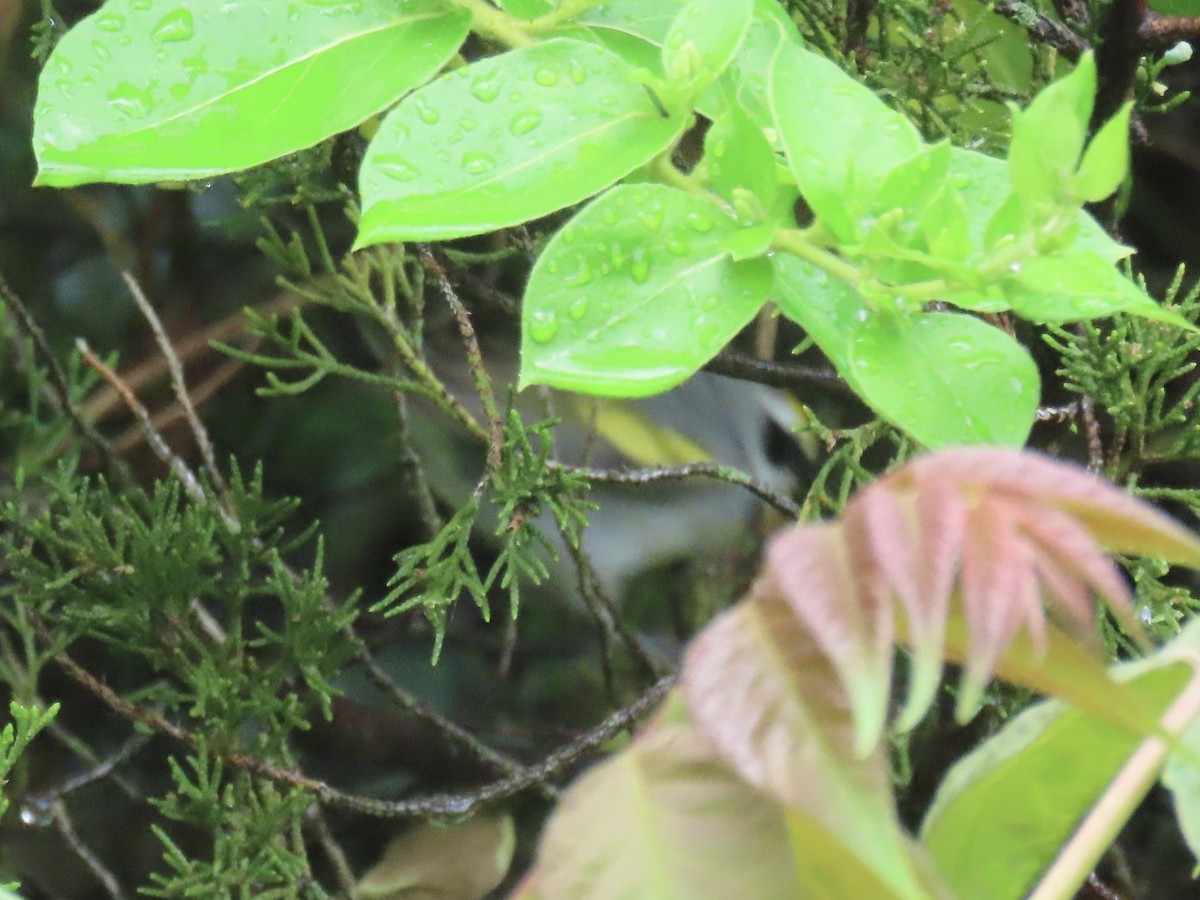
{"x": 578, "y": 309}
{"x": 486, "y": 88}
{"x": 174, "y": 27}
{"x": 639, "y": 268}
{"x": 525, "y": 123}
{"x": 110, "y": 22}
{"x": 700, "y": 222}
{"x": 425, "y": 112}
{"x": 543, "y": 326}
{"x": 546, "y": 77}
{"x": 477, "y": 163}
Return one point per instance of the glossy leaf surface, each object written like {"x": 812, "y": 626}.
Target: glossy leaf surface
{"x": 840, "y": 138}
{"x": 635, "y": 294}
{"x": 946, "y": 378}
{"x": 827, "y": 308}
{"x": 703, "y": 38}
{"x": 506, "y": 140}
{"x": 1003, "y": 813}
{"x": 148, "y": 90}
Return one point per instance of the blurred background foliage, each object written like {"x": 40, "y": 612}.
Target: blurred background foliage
{"x": 273, "y": 241}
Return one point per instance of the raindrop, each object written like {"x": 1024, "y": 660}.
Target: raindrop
{"x": 543, "y": 326}
{"x": 651, "y": 219}
{"x": 581, "y": 276}
{"x": 552, "y": 267}
{"x": 129, "y": 99}
{"x": 525, "y": 123}
{"x": 639, "y": 268}
{"x": 718, "y": 148}
{"x": 179, "y": 90}
{"x": 36, "y": 814}
{"x": 677, "y": 246}
{"x": 577, "y": 72}
{"x": 110, "y": 22}
{"x": 396, "y": 168}
{"x": 467, "y": 123}
{"x": 427, "y": 113}
{"x": 701, "y": 222}
{"x": 141, "y": 4}
{"x": 568, "y": 235}
{"x": 710, "y": 303}
{"x": 477, "y": 163}
{"x": 486, "y": 88}
{"x": 546, "y": 77}
{"x": 609, "y": 216}
{"x": 578, "y": 309}
{"x": 174, "y": 27}
{"x": 66, "y": 89}
{"x": 619, "y": 257}
{"x": 102, "y": 51}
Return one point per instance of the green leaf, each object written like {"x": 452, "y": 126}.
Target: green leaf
{"x": 828, "y": 309}
{"x": 739, "y": 158}
{"x": 506, "y": 140}
{"x": 1004, "y": 812}
{"x": 1106, "y": 161}
{"x": 946, "y": 378}
{"x": 1048, "y": 136}
{"x": 636, "y": 293}
{"x": 912, "y": 183}
{"x": 526, "y": 9}
{"x": 1176, "y": 7}
{"x": 151, "y": 90}
{"x": 984, "y": 185}
{"x": 1079, "y": 286}
{"x": 666, "y": 819}
{"x": 703, "y": 39}
{"x": 841, "y": 139}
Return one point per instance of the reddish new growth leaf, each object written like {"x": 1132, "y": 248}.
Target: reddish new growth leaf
{"x": 997, "y": 545}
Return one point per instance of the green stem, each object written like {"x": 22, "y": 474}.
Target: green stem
{"x": 797, "y": 242}
{"x": 564, "y": 12}
{"x": 495, "y": 24}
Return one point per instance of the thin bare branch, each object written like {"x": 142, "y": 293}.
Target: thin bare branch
{"x": 178, "y": 383}
{"x": 715, "y": 471}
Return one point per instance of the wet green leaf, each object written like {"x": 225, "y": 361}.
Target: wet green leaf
{"x": 636, "y": 293}
{"x": 151, "y": 90}
{"x": 841, "y": 146}
{"x": 1106, "y": 161}
{"x": 739, "y": 158}
{"x": 506, "y": 140}
{"x": 1079, "y": 286}
{"x": 1048, "y": 136}
{"x": 946, "y": 378}
{"x": 828, "y": 309}
{"x": 703, "y": 38}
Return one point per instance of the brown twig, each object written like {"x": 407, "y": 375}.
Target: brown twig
{"x": 1158, "y": 32}
{"x": 774, "y": 374}
{"x": 1040, "y": 28}
{"x": 433, "y": 805}
{"x": 715, "y": 471}
{"x": 178, "y": 383}
{"x": 63, "y": 825}
{"x": 483, "y": 381}
{"x": 155, "y": 440}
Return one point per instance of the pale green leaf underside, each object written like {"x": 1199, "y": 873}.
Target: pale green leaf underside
{"x": 506, "y": 140}
{"x": 635, "y": 294}
{"x": 146, "y": 90}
